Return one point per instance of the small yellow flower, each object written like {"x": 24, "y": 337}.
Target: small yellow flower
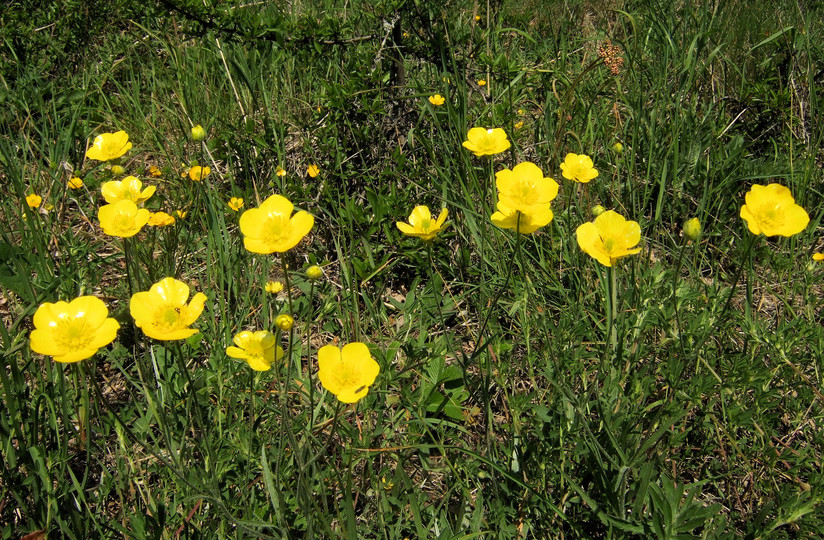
{"x": 259, "y": 349}
{"x": 273, "y": 287}
{"x": 123, "y": 218}
{"x": 314, "y": 272}
{"x": 285, "y": 322}
{"x": 128, "y": 189}
{"x": 75, "y": 183}
{"x": 73, "y": 331}
{"x": 33, "y": 200}
{"x": 692, "y": 229}
{"x": 108, "y": 146}
{"x": 180, "y": 214}
{"x": 236, "y": 203}
{"x": 477, "y": 17}
{"x": 520, "y": 112}
{"x": 422, "y": 225}
{"x": 312, "y": 170}
{"x": 437, "y": 100}
{"x": 771, "y": 210}
{"x": 198, "y": 173}
{"x": 519, "y": 125}
{"x": 818, "y": 257}
{"x": 482, "y": 82}
{"x": 117, "y": 169}
{"x": 198, "y": 133}
{"x": 154, "y": 171}
{"x": 348, "y": 372}
{"x": 272, "y": 228}
{"x": 160, "y": 219}
{"x": 609, "y": 237}
{"x": 280, "y": 172}
{"x": 162, "y": 312}
{"x": 578, "y": 168}
{"x": 486, "y": 142}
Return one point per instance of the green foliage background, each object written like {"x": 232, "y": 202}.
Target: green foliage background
{"x": 503, "y": 409}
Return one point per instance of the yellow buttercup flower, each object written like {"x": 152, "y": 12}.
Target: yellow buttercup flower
{"x": 524, "y": 188}
{"x": 180, "y": 214}
{"x": 73, "y": 331}
{"x": 312, "y": 171}
{"x": 236, "y": 203}
{"x": 486, "y": 142}
{"x": 818, "y": 257}
{"x": 75, "y": 183}
{"x": 108, "y": 146}
{"x": 33, "y": 200}
{"x": 578, "y": 167}
{"x": 154, "y": 171}
{"x": 285, "y": 322}
{"x": 437, "y": 100}
{"x": 422, "y": 225}
{"x": 123, "y": 218}
{"x": 273, "y": 287}
{"x": 280, "y": 172}
{"x": 482, "y": 82}
{"x": 348, "y": 372}
{"x": 519, "y": 125}
{"x": 160, "y": 219}
{"x": 609, "y": 237}
{"x": 128, "y": 189}
{"x": 162, "y": 312}
{"x": 272, "y": 228}
{"x": 259, "y": 349}
{"x": 771, "y": 210}
{"x": 198, "y": 173}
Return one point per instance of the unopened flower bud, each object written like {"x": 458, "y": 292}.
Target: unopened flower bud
{"x": 198, "y": 133}
{"x": 314, "y": 272}
{"x": 284, "y": 322}
{"x": 597, "y": 210}
{"x": 692, "y": 229}
{"x": 117, "y": 169}
{"x": 618, "y": 148}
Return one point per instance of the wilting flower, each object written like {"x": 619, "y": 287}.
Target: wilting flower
{"x": 578, "y": 167}
{"x": 314, "y": 272}
{"x": 312, "y": 170}
{"x": 273, "y": 287}
{"x": 422, "y": 225}
{"x": 75, "y": 182}
{"x": 198, "y": 133}
{"x": 259, "y": 349}
{"x": 692, "y": 229}
{"x": 162, "y": 312}
{"x": 198, "y": 173}
{"x": 272, "y": 228}
{"x": 122, "y": 218}
{"x": 72, "y": 331}
{"x": 771, "y": 210}
{"x": 280, "y": 172}
{"x": 609, "y": 237}
{"x": 348, "y": 372}
{"x": 160, "y": 219}
{"x": 437, "y": 100}
{"x": 180, "y": 214}
{"x": 236, "y": 203}
{"x": 128, "y": 189}
{"x": 154, "y": 171}
{"x": 519, "y": 125}
{"x": 486, "y": 142}
{"x": 108, "y": 146}
{"x": 33, "y": 200}
{"x": 285, "y": 322}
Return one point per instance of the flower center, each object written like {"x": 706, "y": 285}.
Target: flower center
{"x": 73, "y": 334}
{"x": 123, "y": 223}
{"x": 167, "y": 318}
{"x": 425, "y": 224}
{"x": 276, "y": 229}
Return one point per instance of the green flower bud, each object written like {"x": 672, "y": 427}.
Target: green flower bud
{"x": 692, "y": 229}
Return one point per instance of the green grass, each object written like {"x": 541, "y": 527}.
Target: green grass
{"x": 510, "y": 403}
